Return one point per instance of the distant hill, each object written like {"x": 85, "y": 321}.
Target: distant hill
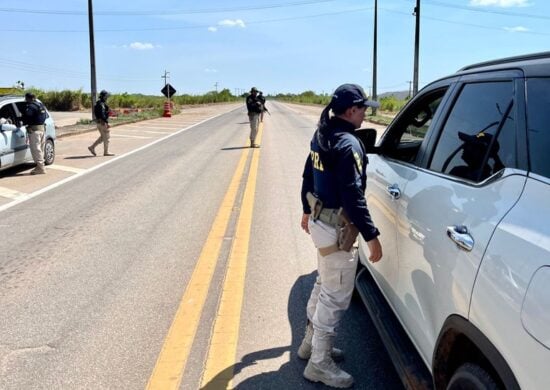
{"x": 399, "y": 95}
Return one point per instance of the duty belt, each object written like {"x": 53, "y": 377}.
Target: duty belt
{"x": 330, "y": 216}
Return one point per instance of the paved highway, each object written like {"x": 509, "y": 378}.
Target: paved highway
{"x": 178, "y": 263}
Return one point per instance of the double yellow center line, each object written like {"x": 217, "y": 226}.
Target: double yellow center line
{"x": 168, "y": 371}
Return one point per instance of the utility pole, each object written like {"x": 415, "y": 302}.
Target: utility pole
{"x": 416, "y": 46}
{"x": 216, "y": 86}
{"x": 374, "y": 54}
{"x": 166, "y": 78}
{"x": 410, "y": 89}
{"x": 93, "y": 92}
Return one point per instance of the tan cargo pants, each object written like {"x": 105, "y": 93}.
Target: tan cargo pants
{"x": 36, "y": 143}
{"x": 332, "y": 291}
{"x": 104, "y": 136}
{"x": 254, "y": 124}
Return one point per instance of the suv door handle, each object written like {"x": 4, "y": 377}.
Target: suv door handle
{"x": 394, "y": 191}
{"x": 461, "y": 237}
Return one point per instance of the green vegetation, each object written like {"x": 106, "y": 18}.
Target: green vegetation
{"x": 388, "y": 104}
{"x": 126, "y": 116}
{"x": 380, "y": 119}
{"x": 308, "y": 97}
{"x": 68, "y": 100}
{"x": 391, "y": 104}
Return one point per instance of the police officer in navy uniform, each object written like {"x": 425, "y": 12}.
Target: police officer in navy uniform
{"x": 34, "y": 118}
{"x": 254, "y": 107}
{"x": 334, "y": 182}
{"x": 261, "y": 98}
{"x": 101, "y": 112}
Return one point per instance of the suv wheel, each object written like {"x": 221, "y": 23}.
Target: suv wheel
{"x": 49, "y": 152}
{"x": 470, "y": 376}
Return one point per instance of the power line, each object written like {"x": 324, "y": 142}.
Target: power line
{"x": 195, "y": 26}
{"x": 502, "y": 29}
{"x": 167, "y": 12}
{"x": 44, "y": 69}
{"x": 488, "y": 11}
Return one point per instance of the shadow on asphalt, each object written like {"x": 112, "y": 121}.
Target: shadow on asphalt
{"x": 367, "y": 360}
{"x": 17, "y": 171}
{"x": 236, "y": 147}
{"x": 78, "y": 157}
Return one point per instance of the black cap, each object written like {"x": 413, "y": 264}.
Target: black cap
{"x": 29, "y": 95}
{"x": 253, "y": 89}
{"x": 349, "y": 95}
{"x": 481, "y": 140}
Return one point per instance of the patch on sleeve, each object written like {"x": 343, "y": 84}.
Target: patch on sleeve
{"x": 358, "y": 161}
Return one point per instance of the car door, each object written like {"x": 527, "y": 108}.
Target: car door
{"x": 13, "y": 139}
{"x": 388, "y": 171}
{"x": 24, "y": 151}
{"x": 449, "y": 210}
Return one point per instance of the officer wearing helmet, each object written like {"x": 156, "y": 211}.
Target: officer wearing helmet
{"x": 101, "y": 112}
{"x": 335, "y": 211}
{"x": 254, "y": 107}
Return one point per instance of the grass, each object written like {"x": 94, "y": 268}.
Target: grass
{"x": 131, "y": 117}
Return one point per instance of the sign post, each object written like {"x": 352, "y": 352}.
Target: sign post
{"x": 168, "y": 91}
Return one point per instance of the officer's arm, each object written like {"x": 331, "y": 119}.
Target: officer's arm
{"x": 307, "y": 184}
{"x": 353, "y": 197}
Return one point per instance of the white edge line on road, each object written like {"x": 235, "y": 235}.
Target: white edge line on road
{"x": 130, "y": 136}
{"x": 26, "y": 197}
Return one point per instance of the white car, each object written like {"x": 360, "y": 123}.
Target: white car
{"x": 459, "y": 186}
{"x": 14, "y": 140}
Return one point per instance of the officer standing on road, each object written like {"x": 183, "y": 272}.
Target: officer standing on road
{"x": 101, "y": 112}
{"x": 261, "y": 98}
{"x": 254, "y": 107}
{"x": 34, "y": 118}
{"x": 335, "y": 211}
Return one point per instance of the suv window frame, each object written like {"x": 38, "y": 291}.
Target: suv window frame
{"x": 387, "y": 141}
{"x": 537, "y": 175}
{"x": 517, "y": 79}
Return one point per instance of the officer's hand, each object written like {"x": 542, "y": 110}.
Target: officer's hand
{"x": 375, "y": 250}
{"x": 305, "y": 219}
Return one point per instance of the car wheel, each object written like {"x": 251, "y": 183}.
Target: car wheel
{"x": 49, "y": 152}
{"x": 470, "y": 376}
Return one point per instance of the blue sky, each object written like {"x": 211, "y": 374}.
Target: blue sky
{"x": 280, "y": 46}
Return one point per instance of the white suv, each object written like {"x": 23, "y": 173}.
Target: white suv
{"x": 459, "y": 186}
{"x": 14, "y": 140}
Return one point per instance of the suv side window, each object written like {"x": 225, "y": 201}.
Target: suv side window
{"x": 7, "y": 113}
{"x": 409, "y": 133}
{"x": 479, "y": 136}
{"x": 538, "y": 125}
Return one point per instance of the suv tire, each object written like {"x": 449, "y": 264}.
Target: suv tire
{"x": 470, "y": 376}
{"x": 49, "y": 152}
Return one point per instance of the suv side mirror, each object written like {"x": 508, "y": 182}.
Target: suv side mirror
{"x": 368, "y": 138}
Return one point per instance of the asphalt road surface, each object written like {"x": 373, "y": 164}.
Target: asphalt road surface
{"x": 178, "y": 263}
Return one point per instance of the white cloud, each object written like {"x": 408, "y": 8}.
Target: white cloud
{"x": 499, "y": 3}
{"x": 212, "y": 29}
{"x": 211, "y": 70}
{"x": 141, "y": 46}
{"x": 232, "y": 23}
{"x": 516, "y": 29}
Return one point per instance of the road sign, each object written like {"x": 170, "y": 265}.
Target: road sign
{"x": 168, "y": 90}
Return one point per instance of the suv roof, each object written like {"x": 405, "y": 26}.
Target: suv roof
{"x": 536, "y": 64}
{"x": 9, "y": 97}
